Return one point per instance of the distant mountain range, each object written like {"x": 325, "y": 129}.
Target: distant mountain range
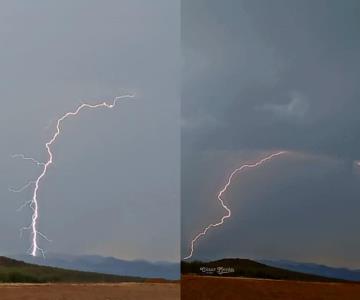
{"x": 171, "y": 271}
{"x": 236, "y": 267}
{"x": 15, "y": 271}
{"x": 312, "y": 268}
{"x": 107, "y": 265}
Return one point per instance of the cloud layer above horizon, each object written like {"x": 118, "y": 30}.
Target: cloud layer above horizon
{"x": 266, "y": 76}
{"x": 114, "y": 186}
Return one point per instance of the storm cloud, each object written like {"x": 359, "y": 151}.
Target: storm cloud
{"x": 114, "y": 186}
{"x": 263, "y": 76}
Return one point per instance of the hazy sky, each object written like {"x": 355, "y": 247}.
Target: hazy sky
{"x": 260, "y": 76}
{"x": 114, "y": 187}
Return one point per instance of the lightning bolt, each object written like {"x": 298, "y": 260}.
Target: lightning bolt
{"x": 33, "y": 203}
{"x": 220, "y": 199}
{"x": 22, "y": 156}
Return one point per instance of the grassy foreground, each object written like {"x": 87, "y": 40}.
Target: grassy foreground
{"x": 215, "y": 288}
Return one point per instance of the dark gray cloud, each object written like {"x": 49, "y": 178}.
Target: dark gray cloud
{"x": 265, "y": 75}
{"x": 115, "y": 182}
{"x": 260, "y": 55}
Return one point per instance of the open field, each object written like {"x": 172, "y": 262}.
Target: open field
{"x": 106, "y": 291}
{"x": 208, "y": 288}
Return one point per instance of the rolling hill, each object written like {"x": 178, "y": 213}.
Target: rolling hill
{"x": 235, "y": 267}
{"x": 14, "y": 271}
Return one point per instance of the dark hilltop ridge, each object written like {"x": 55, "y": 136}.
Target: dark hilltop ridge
{"x": 14, "y": 271}
{"x": 236, "y": 267}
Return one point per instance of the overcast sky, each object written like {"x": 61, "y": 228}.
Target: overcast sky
{"x": 260, "y": 76}
{"x": 114, "y": 187}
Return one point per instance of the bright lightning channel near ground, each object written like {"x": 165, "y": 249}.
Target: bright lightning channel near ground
{"x": 33, "y": 203}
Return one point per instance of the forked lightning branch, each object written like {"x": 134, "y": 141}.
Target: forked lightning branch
{"x": 221, "y": 200}
{"x": 33, "y": 203}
